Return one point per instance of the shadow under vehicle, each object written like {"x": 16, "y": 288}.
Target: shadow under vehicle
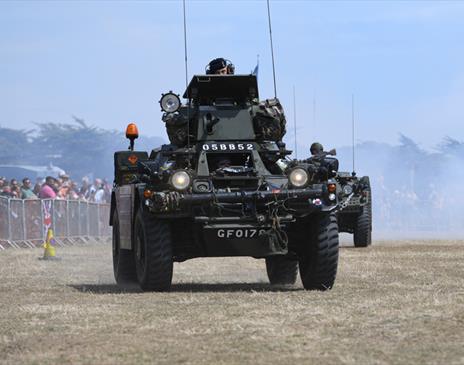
{"x": 355, "y": 207}
{"x": 221, "y": 188}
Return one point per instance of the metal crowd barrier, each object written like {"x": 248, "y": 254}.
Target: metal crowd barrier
{"x": 27, "y": 220}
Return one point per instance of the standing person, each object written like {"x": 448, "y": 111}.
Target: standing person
{"x": 73, "y": 193}
{"x": 15, "y": 189}
{"x": 38, "y": 185}
{"x": 64, "y": 177}
{"x": 26, "y": 189}
{"x": 99, "y": 196}
{"x": 84, "y": 191}
{"x": 107, "y": 188}
{"x": 6, "y": 192}
{"x": 63, "y": 190}
{"x": 48, "y": 190}
{"x": 94, "y": 188}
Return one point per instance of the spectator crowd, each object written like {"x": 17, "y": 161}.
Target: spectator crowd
{"x": 57, "y": 188}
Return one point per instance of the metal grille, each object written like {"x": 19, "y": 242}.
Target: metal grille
{"x": 73, "y": 218}
{"x": 93, "y": 219}
{"x": 83, "y": 219}
{"x": 33, "y": 219}
{"x": 4, "y": 218}
{"x": 59, "y": 220}
{"x": 17, "y": 219}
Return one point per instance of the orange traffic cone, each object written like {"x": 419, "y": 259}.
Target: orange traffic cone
{"x": 49, "y": 246}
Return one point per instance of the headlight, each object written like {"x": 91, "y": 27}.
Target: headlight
{"x": 347, "y": 189}
{"x": 180, "y": 180}
{"x": 298, "y": 177}
{"x": 170, "y": 102}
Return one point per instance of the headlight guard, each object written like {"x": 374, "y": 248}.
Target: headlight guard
{"x": 170, "y": 102}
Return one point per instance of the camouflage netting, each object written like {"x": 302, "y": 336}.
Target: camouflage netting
{"x": 269, "y": 120}
{"x": 176, "y": 127}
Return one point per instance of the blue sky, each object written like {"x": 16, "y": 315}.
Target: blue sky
{"x": 108, "y": 63}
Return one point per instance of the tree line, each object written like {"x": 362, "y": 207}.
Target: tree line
{"x": 78, "y": 148}
{"x": 407, "y": 165}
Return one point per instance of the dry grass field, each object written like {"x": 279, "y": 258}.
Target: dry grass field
{"x": 394, "y": 303}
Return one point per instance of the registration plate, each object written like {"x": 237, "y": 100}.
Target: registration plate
{"x": 227, "y": 147}
{"x": 234, "y": 233}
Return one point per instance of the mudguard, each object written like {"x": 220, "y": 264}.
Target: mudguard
{"x": 124, "y": 203}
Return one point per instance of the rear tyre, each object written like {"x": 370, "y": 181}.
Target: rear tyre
{"x": 362, "y": 234}
{"x": 281, "y": 270}
{"x": 123, "y": 260}
{"x": 153, "y": 252}
{"x": 319, "y": 259}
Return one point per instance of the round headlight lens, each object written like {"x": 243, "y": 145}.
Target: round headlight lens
{"x": 298, "y": 177}
{"x": 347, "y": 189}
{"x": 180, "y": 180}
{"x": 170, "y": 102}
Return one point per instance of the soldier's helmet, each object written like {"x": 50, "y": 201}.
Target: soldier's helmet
{"x": 218, "y": 64}
{"x": 316, "y": 148}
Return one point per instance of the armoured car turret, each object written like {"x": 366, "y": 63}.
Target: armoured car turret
{"x": 223, "y": 187}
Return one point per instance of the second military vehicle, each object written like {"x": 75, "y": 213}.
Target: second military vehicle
{"x": 222, "y": 187}
{"x": 355, "y": 208}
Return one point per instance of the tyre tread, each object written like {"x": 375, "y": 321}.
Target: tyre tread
{"x": 318, "y": 267}
{"x": 159, "y": 262}
{"x": 362, "y": 235}
{"x": 281, "y": 270}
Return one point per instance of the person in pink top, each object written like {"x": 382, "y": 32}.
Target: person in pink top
{"x": 47, "y": 191}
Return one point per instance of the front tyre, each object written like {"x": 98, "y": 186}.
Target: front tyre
{"x": 123, "y": 260}
{"x": 153, "y": 252}
{"x": 281, "y": 270}
{"x": 319, "y": 258}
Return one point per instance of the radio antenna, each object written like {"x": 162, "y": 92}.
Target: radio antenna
{"x": 352, "y": 129}
{"x": 185, "y": 46}
{"x": 294, "y": 122}
{"x": 186, "y": 75}
{"x": 314, "y": 116}
{"x": 272, "y": 47}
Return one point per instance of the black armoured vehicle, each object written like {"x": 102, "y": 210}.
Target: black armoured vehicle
{"x": 355, "y": 207}
{"x": 222, "y": 188}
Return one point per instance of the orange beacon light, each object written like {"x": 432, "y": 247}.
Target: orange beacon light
{"x": 132, "y": 133}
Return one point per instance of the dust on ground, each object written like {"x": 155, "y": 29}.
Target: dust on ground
{"x": 395, "y": 302}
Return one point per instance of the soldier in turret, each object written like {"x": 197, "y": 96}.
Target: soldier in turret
{"x": 325, "y": 167}
{"x": 220, "y": 66}
{"x": 316, "y": 149}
